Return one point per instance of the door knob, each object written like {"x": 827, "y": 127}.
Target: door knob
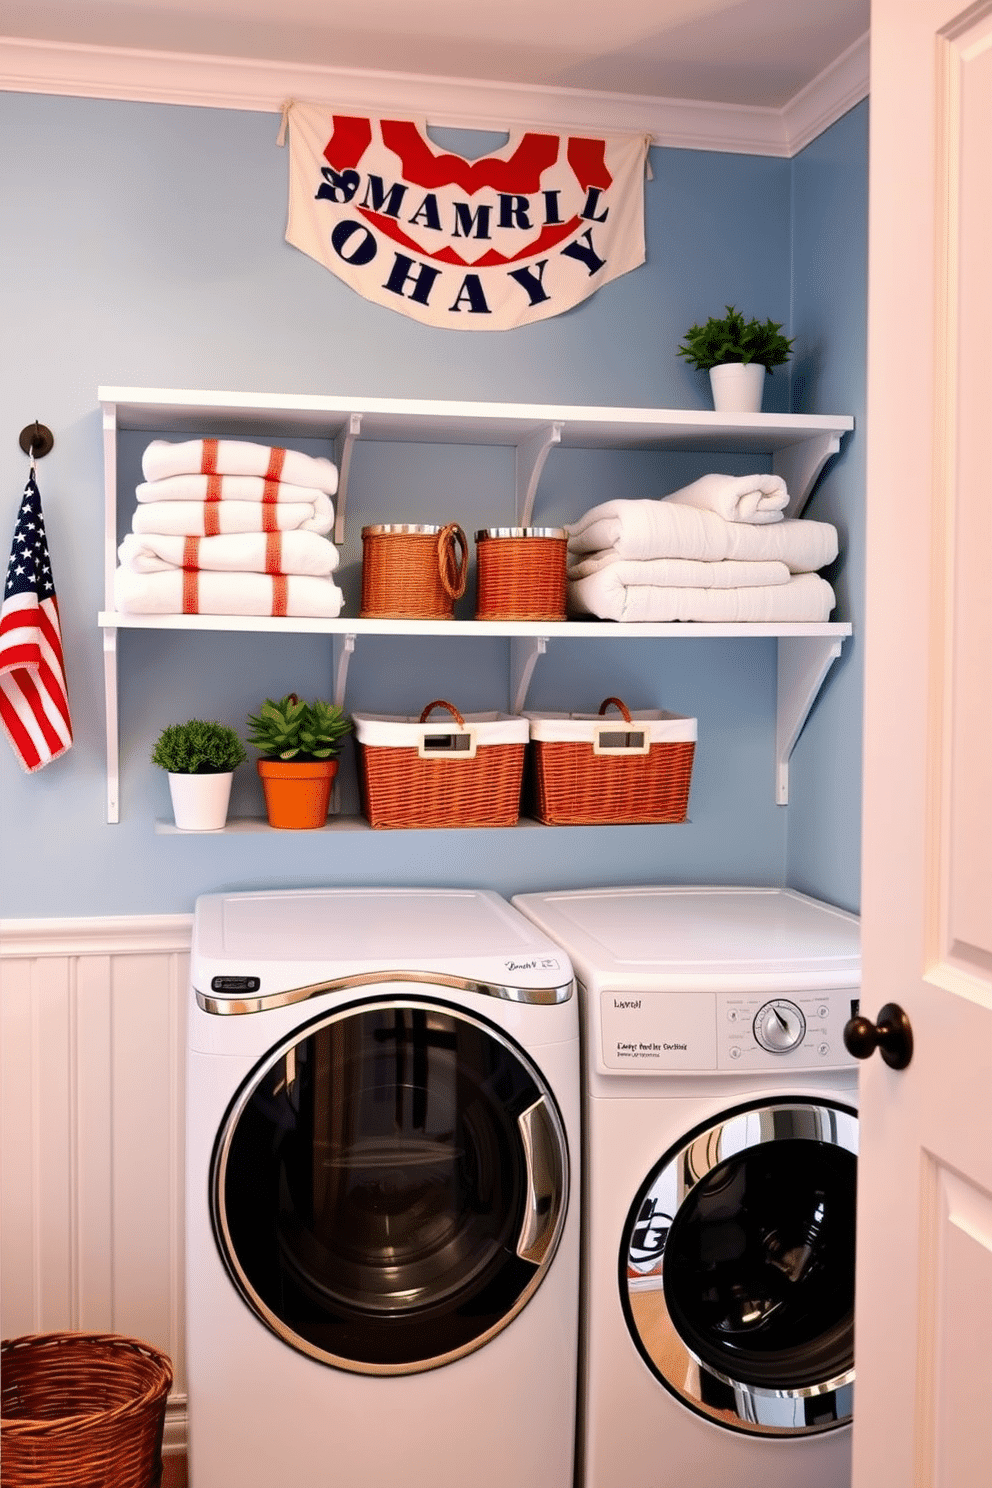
{"x": 892, "y": 1035}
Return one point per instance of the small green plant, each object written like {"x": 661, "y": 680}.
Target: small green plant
{"x": 734, "y": 339}
{"x": 198, "y": 748}
{"x": 293, "y": 730}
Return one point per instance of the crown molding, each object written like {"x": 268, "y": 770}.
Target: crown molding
{"x": 838, "y": 88}
{"x": 201, "y": 81}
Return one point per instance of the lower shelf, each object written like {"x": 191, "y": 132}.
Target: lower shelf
{"x": 238, "y": 826}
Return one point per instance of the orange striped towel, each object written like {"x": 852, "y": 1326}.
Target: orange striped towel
{"x": 162, "y": 458}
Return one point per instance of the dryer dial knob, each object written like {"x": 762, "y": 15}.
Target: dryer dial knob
{"x": 779, "y": 1026}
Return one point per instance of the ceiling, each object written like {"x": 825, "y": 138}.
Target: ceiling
{"x": 736, "y": 52}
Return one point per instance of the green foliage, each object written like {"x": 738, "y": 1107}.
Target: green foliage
{"x": 734, "y": 339}
{"x": 294, "y": 730}
{"x": 198, "y": 748}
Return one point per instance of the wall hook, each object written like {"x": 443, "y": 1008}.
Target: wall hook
{"x": 36, "y": 440}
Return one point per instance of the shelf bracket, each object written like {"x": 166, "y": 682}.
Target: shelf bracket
{"x": 531, "y": 455}
{"x": 524, "y": 651}
{"x": 344, "y": 646}
{"x": 343, "y": 446}
{"x": 113, "y": 730}
{"x": 803, "y": 663}
{"x": 799, "y": 465}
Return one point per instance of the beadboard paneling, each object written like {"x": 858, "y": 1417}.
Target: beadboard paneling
{"x": 92, "y": 1059}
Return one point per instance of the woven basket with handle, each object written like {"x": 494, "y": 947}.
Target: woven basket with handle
{"x": 412, "y": 572}
{"x": 82, "y": 1410}
{"x": 407, "y": 785}
{"x": 634, "y": 776}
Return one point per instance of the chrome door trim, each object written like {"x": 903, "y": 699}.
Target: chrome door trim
{"x": 756, "y": 1409}
{"x": 234, "y": 1006}
{"x": 558, "y": 1160}
{"x": 544, "y": 1145}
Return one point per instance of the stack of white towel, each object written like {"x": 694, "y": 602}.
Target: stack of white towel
{"x": 719, "y": 550}
{"x": 227, "y": 527}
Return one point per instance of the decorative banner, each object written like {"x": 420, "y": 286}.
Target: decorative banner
{"x": 514, "y": 237}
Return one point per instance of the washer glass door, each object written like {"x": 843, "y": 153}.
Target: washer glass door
{"x": 737, "y": 1268}
{"x": 390, "y": 1184}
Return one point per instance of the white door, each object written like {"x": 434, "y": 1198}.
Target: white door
{"x": 923, "y": 1400}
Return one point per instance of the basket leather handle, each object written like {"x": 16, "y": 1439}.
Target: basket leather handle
{"x": 617, "y": 704}
{"x": 452, "y": 570}
{"x": 440, "y": 703}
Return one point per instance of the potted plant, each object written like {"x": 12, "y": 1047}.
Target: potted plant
{"x": 200, "y": 759}
{"x": 299, "y": 743}
{"x": 737, "y": 353}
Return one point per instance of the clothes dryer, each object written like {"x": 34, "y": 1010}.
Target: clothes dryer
{"x": 382, "y": 1249}
{"x": 719, "y": 1184}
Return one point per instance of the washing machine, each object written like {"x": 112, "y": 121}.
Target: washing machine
{"x": 720, "y": 1166}
{"x": 382, "y": 1216}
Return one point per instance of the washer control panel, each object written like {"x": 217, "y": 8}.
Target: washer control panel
{"x": 668, "y": 1032}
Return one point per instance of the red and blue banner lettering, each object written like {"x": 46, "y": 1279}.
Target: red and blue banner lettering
{"x": 514, "y": 237}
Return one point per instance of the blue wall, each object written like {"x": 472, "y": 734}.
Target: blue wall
{"x": 144, "y": 247}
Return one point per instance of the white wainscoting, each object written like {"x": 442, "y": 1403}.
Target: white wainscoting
{"x": 92, "y": 1043}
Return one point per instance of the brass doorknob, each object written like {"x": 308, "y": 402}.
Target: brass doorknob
{"x": 892, "y": 1035}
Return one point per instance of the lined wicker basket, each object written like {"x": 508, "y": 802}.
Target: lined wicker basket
{"x": 521, "y": 573}
{"x": 587, "y": 771}
{"x": 454, "y": 772}
{"x": 412, "y": 571}
{"x": 82, "y": 1410}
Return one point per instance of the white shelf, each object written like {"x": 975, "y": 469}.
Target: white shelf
{"x": 799, "y": 446}
{"x": 243, "y": 825}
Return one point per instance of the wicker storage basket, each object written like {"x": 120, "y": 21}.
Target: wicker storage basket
{"x": 411, "y": 571}
{"x": 449, "y": 772}
{"x": 82, "y": 1410}
{"x": 590, "y": 770}
{"x": 521, "y": 573}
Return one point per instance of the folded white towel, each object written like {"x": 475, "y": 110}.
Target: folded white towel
{"x": 805, "y": 597}
{"x": 736, "y": 498}
{"x": 681, "y": 573}
{"x": 667, "y": 529}
{"x": 211, "y": 518}
{"x": 223, "y": 488}
{"x": 198, "y": 593}
{"x": 162, "y": 458}
{"x": 240, "y": 552}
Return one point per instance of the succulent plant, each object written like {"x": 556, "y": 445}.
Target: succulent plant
{"x": 294, "y": 730}
{"x": 734, "y": 339}
{"x": 198, "y": 748}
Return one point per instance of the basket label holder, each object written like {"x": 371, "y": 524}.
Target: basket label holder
{"x": 448, "y": 744}
{"x": 609, "y": 739}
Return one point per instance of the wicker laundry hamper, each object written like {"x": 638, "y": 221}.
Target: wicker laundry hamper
{"x": 412, "y": 571}
{"x": 82, "y": 1410}
{"x": 521, "y": 573}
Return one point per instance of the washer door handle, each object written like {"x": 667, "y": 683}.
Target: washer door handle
{"x": 545, "y": 1198}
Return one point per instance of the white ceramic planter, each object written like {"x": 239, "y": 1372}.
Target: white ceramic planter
{"x": 199, "y": 802}
{"x": 738, "y": 388}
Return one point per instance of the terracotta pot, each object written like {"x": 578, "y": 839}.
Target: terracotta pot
{"x": 297, "y": 793}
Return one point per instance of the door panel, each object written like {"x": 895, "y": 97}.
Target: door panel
{"x": 925, "y": 1242}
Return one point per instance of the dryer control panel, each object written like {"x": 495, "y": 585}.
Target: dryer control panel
{"x": 695, "y": 1032}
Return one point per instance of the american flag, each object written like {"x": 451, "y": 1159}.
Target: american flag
{"x": 34, "y": 701}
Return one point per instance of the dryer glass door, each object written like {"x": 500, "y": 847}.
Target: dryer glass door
{"x": 737, "y": 1268}
{"x": 390, "y": 1184}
